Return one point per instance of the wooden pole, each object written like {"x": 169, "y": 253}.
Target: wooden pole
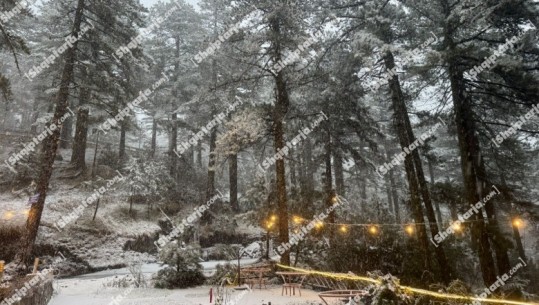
{"x": 2, "y": 263}
{"x": 96, "y": 207}
{"x": 36, "y": 264}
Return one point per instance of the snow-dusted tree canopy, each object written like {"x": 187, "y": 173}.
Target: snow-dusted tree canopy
{"x": 391, "y": 144}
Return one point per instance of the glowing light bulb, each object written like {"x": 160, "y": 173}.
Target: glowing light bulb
{"x": 410, "y": 229}
{"x": 373, "y": 230}
{"x": 8, "y": 215}
{"x": 517, "y": 222}
{"x": 344, "y": 229}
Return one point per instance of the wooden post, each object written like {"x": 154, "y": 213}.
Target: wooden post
{"x": 36, "y": 264}
{"x": 2, "y": 270}
{"x": 96, "y": 207}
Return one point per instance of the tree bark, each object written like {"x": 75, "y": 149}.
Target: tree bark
{"x": 409, "y": 138}
{"x": 436, "y": 203}
{"x": 281, "y": 107}
{"x": 50, "y": 144}
{"x": 210, "y": 186}
{"x": 233, "y": 181}
{"x": 95, "y": 153}
{"x": 123, "y": 131}
{"x": 293, "y": 178}
{"x": 328, "y": 185}
{"x": 395, "y": 196}
{"x": 199, "y": 155}
{"x": 154, "y": 138}
{"x": 172, "y": 146}
{"x": 399, "y": 122}
{"x": 470, "y": 155}
{"x": 339, "y": 172}
{"x": 78, "y": 156}
{"x": 66, "y": 136}
{"x": 308, "y": 183}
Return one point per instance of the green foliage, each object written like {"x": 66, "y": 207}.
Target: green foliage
{"x": 221, "y": 272}
{"x": 169, "y": 278}
{"x": 184, "y": 269}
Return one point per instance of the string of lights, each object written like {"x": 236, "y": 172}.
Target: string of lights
{"x": 374, "y": 228}
{"x": 447, "y": 296}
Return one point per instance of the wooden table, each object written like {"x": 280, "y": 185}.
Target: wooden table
{"x": 341, "y": 294}
{"x": 292, "y": 280}
{"x": 255, "y": 275}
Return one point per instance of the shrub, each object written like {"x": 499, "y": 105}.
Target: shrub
{"x": 170, "y": 278}
{"x": 185, "y": 270}
{"x": 221, "y": 272}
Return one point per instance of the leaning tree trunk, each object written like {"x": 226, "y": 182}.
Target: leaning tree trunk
{"x": 400, "y": 127}
{"x": 50, "y": 144}
{"x": 409, "y": 138}
{"x": 78, "y": 157}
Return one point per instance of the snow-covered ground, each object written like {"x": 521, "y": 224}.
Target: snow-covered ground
{"x": 93, "y": 292}
{"x": 94, "y": 289}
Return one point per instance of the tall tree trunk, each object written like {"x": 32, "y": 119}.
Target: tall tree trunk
{"x": 66, "y": 136}
{"x": 468, "y": 153}
{"x": 233, "y": 181}
{"x": 210, "y": 186}
{"x": 293, "y": 178}
{"x": 328, "y": 185}
{"x": 281, "y": 107}
{"x": 508, "y": 197}
{"x": 94, "y": 163}
{"x": 50, "y": 144}
{"x": 78, "y": 156}
{"x": 308, "y": 187}
{"x": 339, "y": 172}
{"x": 199, "y": 155}
{"x": 436, "y": 203}
{"x": 172, "y": 145}
{"x": 123, "y": 131}
{"x": 409, "y": 138}
{"x": 399, "y": 122}
{"x": 395, "y": 196}
{"x": 154, "y": 138}
{"x": 518, "y": 241}
{"x": 389, "y": 195}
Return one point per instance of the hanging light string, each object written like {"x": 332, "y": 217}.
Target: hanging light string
{"x": 447, "y": 296}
